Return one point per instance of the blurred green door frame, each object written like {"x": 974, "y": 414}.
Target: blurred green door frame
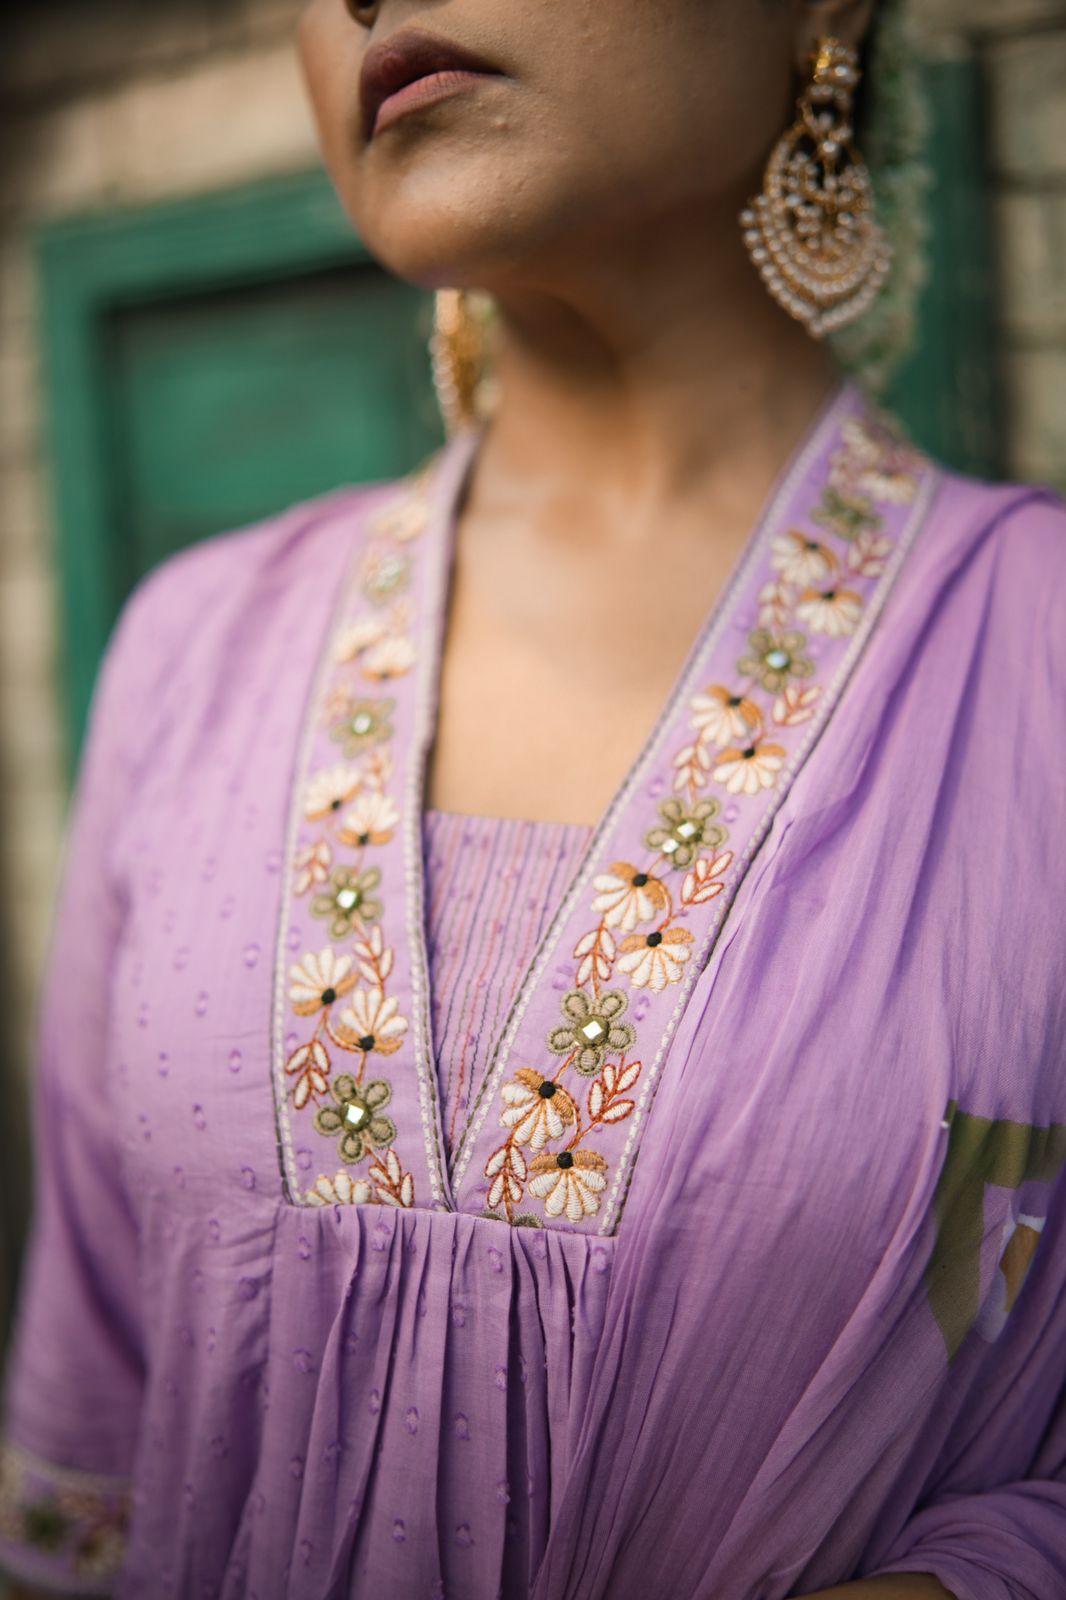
{"x": 208, "y": 362}
{"x": 948, "y": 392}
{"x": 211, "y": 360}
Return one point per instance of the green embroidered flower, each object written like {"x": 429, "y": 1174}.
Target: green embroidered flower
{"x": 684, "y": 829}
{"x": 846, "y": 515}
{"x": 349, "y": 903}
{"x": 593, "y": 1029}
{"x": 385, "y": 574}
{"x": 45, "y": 1525}
{"x": 357, "y": 1117}
{"x": 774, "y": 658}
{"x": 365, "y": 723}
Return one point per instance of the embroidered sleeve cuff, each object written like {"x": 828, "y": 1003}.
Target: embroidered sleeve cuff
{"x": 60, "y": 1530}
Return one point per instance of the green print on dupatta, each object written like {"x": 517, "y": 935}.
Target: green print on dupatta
{"x": 981, "y": 1152}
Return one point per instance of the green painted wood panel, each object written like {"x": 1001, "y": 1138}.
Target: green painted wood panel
{"x": 228, "y": 406}
{"x": 207, "y": 362}
{"x": 948, "y": 393}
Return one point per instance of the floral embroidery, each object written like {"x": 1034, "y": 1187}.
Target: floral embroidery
{"x": 538, "y": 1109}
{"x": 737, "y": 741}
{"x": 385, "y": 1184}
{"x": 774, "y": 658}
{"x": 570, "y": 1182}
{"x": 652, "y": 960}
{"x": 359, "y": 724}
{"x": 685, "y": 829}
{"x": 348, "y": 812}
{"x": 830, "y": 611}
{"x": 593, "y": 1028}
{"x": 751, "y": 769}
{"x": 81, "y": 1522}
{"x": 357, "y": 1116}
{"x": 349, "y": 904}
{"x": 803, "y": 561}
{"x": 721, "y": 716}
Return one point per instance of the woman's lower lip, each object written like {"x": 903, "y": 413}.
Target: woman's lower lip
{"x": 424, "y": 92}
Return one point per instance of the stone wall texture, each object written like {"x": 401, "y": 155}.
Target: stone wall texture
{"x": 125, "y": 102}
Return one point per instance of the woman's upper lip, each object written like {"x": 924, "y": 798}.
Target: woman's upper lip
{"x": 404, "y": 57}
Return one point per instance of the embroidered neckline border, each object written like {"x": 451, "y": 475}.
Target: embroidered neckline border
{"x": 874, "y": 495}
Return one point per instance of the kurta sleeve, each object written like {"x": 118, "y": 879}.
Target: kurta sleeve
{"x": 74, "y": 1377}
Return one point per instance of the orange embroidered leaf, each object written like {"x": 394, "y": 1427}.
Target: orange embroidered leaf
{"x": 795, "y": 705}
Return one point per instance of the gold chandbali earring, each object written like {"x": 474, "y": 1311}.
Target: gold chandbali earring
{"x": 813, "y": 231}
{"x": 459, "y": 352}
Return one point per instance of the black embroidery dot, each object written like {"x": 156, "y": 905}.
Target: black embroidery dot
{"x": 830, "y": 594}
{"x": 735, "y": 700}
{"x": 565, "y": 1160}
{"x": 812, "y": 544}
{"x": 749, "y": 752}
{"x": 640, "y": 880}
{"x": 328, "y": 996}
{"x": 367, "y": 1042}
{"x": 335, "y": 805}
{"x": 547, "y": 1089}
{"x": 654, "y": 939}
{"x": 364, "y": 838}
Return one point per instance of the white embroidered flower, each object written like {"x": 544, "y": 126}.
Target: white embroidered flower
{"x": 359, "y": 636}
{"x": 309, "y": 1065}
{"x": 372, "y": 1022}
{"x": 312, "y": 865}
{"x": 371, "y": 820}
{"x": 628, "y": 896}
{"x": 404, "y": 519}
{"x": 747, "y": 770}
{"x": 329, "y": 789}
{"x": 342, "y": 1190}
{"x": 868, "y": 555}
{"x": 723, "y": 716}
{"x": 537, "y": 1109}
{"x": 319, "y": 981}
{"x": 834, "y": 612}
{"x": 390, "y": 659}
{"x": 569, "y": 1183}
{"x": 875, "y": 463}
{"x": 802, "y": 560}
{"x": 653, "y": 960}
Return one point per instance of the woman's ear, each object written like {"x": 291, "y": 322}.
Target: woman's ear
{"x": 846, "y": 20}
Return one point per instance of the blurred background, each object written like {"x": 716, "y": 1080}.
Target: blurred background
{"x": 191, "y": 338}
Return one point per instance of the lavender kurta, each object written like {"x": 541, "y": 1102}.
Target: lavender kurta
{"x": 745, "y": 1272}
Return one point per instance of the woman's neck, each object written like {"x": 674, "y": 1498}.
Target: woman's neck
{"x": 656, "y": 379}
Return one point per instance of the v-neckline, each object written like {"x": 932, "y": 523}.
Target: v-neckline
{"x": 354, "y": 1055}
{"x": 455, "y": 472}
